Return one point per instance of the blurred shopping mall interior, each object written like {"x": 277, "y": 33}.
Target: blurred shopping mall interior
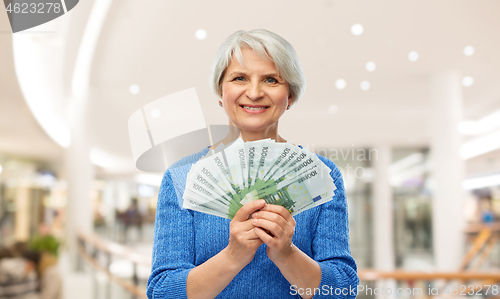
{"x": 404, "y": 97}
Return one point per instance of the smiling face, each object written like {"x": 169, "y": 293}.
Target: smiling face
{"x": 254, "y": 96}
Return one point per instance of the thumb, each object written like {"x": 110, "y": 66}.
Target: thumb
{"x": 245, "y": 211}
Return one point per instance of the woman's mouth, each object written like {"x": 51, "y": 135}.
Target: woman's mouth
{"x": 254, "y": 109}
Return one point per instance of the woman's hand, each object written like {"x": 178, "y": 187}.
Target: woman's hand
{"x": 281, "y": 226}
{"x": 243, "y": 241}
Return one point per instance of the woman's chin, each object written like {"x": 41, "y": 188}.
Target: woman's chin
{"x": 253, "y": 128}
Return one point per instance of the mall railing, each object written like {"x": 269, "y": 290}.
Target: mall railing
{"x": 433, "y": 284}
{"x": 92, "y": 248}
{"x": 100, "y": 253}
{"x": 374, "y": 275}
{"x": 482, "y": 239}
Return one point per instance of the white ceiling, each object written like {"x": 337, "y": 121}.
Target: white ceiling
{"x": 20, "y": 134}
{"x": 152, "y": 44}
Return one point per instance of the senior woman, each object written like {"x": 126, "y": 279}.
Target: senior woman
{"x": 263, "y": 252}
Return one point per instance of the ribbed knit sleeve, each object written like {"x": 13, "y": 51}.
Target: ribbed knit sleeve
{"x": 171, "y": 261}
{"x": 339, "y": 278}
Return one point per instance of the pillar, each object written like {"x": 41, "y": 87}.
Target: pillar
{"x": 383, "y": 212}
{"x": 79, "y": 175}
{"x": 448, "y": 171}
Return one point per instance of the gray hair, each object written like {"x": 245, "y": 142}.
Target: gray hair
{"x": 266, "y": 44}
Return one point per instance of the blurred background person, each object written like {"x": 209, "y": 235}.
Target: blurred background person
{"x": 45, "y": 264}
{"x": 132, "y": 217}
{"x": 18, "y": 278}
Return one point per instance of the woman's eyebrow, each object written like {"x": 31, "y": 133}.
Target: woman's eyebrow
{"x": 236, "y": 74}
{"x": 272, "y": 75}
{"x": 240, "y": 73}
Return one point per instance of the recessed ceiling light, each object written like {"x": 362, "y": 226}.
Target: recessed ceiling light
{"x": 357, "y": 29}
{"x": 469, "y": 51}
{"x": 134, "y": 89}
{"x": 201, "y": 34}
{"x": 370, "y": 66}
{"x": 340, "y": 84}
{"x": 365, "y": 85}
{"x": 1, "y": 168}
{"x": 467, "y": 81}
{"x": 333, "y": 109}
{"x": 155, "y": 112}
{"x": 413, "y": 56}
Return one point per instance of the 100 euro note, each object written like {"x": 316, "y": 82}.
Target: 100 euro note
{"x": 302, "y": 187}
{"x": 294, "y": 187}
{"x": 219, "y": 180}
{"x": 237, "y": 164}
{"x": 208, "y": 185}
{"x": 280, "y": 173}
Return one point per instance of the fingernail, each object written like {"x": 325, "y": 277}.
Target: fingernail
{"x": 254, "y": 215}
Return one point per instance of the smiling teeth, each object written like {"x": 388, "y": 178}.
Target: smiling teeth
{"x": 252, "y": 108}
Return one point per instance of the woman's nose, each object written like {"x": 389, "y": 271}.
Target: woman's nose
{"x": 254, "y": 91}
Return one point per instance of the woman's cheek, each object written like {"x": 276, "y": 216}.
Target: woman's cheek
{"x": 230, "y": 95}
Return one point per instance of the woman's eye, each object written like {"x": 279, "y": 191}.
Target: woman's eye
{"x": 238, "y": 79}
{"x": 271, "y": 80}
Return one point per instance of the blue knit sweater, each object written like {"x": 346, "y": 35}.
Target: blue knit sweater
{"x": 184, "y": 239}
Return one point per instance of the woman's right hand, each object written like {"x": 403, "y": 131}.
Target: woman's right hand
{"x": 243, "y": 242}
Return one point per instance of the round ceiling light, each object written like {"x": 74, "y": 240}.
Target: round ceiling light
{"x": 357, "y": 29}
{"x": 467, "y": 81}
{"x": 365, "y": 85}
{"x": 413, "y": 56}
{"x": 333, "y": 109}
{"x": 370, "y": 66}
{"x": 201, "y": 34}
{"x": 340, "y": 84}
{"x": 134, "y": 89}
{"x": 469, "y": 50}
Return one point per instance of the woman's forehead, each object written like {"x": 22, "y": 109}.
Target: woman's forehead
{"x": 250, "y": 59}
{"x": 246, "y": 53}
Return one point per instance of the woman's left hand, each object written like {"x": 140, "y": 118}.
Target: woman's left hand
{"x": 281, "y": 226}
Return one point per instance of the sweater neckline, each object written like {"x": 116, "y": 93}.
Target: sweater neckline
{"x": 208, "y": 147}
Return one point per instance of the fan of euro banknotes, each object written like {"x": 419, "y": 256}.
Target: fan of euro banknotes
{"x": 228, "y": 177}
